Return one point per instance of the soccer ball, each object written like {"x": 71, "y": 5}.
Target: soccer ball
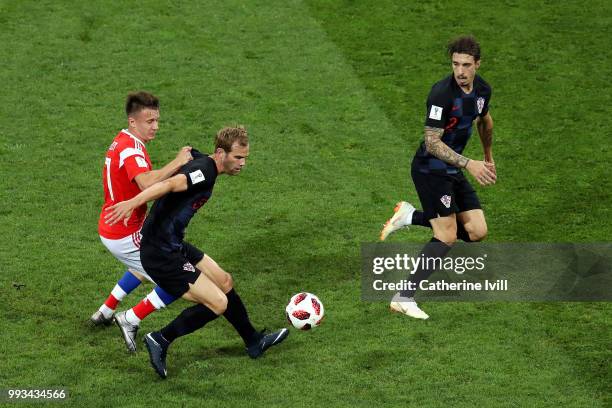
{"x": 304, "y": 311}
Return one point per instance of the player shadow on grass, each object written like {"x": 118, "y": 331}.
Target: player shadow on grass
{"x": 233, "y": 350}
{"x": 208, "y": 357}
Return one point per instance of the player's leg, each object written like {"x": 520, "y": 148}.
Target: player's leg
{"x": 439, "y": 208}
{"x": 445, "y": 235}
{"x": 236, "y": 313}
{"x": 157, "y": 299}
{"x": 211, "y": 302}
{"x": 205, "y": 292}
{"x": 406, "y": 215}
{"x": 176, "y": 273}
{"x": 445, "y": 229}
{"x": 128, "y": 282}
{"x": 210, "y": 268}
{"x": 129, "y": 321}
{"x": 472, "y": 225}
{"x": 127, "y": 252}
{"x": 467, "y": 200}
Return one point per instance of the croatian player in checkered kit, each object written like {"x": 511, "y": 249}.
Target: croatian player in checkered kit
{"x": 181, "y": 268}
{"x": 450, "y": 204}
{"x": 127, "y": 171}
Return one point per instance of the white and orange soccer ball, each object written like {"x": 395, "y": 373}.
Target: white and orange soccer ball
{"x": 305, "y": 311}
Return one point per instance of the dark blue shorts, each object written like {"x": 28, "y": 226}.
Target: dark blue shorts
{"x": 444, "y": 194}
{"x": 173, "y": 271}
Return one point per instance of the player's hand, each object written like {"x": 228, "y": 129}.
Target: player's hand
{"x": 184, "y": 155}
{"x": 119, "y": 211}
{"x": 482, "y": 171}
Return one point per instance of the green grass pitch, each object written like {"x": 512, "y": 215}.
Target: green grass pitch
{"x": 332, "y": 93}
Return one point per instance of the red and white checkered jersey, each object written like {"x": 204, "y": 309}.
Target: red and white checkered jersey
{"x": 126, "y": 158}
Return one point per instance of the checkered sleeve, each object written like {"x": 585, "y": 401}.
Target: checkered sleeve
{"x": 438, "y": 108}
{"x": 485, "y": 108}
{"x": 200, "y": 173}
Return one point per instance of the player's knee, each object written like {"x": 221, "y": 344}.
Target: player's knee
{"x": 446, "y": 234}
{"x": 449, "y": 240}
{"x": 477, "y": 232}
{"x": 479, "y": 235}
{"x": 448, "y": 237}
{"x": 228, "y": 283}
{"x": 218, "y": 304}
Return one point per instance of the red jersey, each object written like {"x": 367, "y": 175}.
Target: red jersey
{"x": 126, "y": 158}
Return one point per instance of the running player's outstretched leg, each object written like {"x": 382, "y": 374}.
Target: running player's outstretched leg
{"x": 471, "y": 226}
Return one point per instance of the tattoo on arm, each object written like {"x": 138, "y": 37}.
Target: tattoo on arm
{"x": 436, "y": 147}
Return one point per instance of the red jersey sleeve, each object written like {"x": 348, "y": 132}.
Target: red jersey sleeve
{"x": 136, "y": 164}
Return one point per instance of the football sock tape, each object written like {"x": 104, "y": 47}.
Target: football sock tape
{"x": 164, "y": 296}
{"x": 128, "y": 282}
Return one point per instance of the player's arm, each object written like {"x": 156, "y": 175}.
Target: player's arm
{"x": 485, "y": 130}
{"x": 124, "y": 209}
{"x": 147, "y": 179}
{"x": 435, "y": 146}
{"x": 481, "y": 171}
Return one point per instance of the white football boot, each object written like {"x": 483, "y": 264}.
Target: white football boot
{"x": 128, "y": 330}
{"x": 407, "y": 306}
{"x": 401, "y": 219}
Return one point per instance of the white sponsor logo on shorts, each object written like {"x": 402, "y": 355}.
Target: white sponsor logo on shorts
{"x": 446, "y": 200}
{"x": 435, "y": 112}
{"x": 196, "y": 176}
{"x": 188, "y": 267}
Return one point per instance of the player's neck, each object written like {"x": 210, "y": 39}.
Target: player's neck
{"x": 217, "y": 163}
{"x": 468, "y": 88}
{"x": 134, "y": 133}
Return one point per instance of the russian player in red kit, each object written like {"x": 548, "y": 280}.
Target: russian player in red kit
{"x": 127, "y": 170}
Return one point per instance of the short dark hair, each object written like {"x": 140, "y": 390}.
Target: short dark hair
{"x": 137, "y": 101}
{"x": 227, "y": 136}
{"x": 466, "y": 44}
